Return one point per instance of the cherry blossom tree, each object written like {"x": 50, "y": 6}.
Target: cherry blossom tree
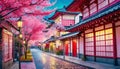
{"x": 31, "y": 11}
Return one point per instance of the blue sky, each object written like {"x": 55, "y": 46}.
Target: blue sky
{"x": 59, "y": 4}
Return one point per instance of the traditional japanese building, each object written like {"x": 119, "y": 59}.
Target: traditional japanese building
{"x": 49, "y": 44}
{"x": 63, "y": 19}
{"x": 99, "y": 39}
{"x": 6, "y": 44}
{"x": 70, "y": 43}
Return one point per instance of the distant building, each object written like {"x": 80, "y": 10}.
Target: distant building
{"x": 62, "y": 19}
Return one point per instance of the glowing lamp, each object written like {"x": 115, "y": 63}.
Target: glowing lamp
{"x": 19, "y": 23}
{"x": 24, "y": 42}
{"x": 20, "y": 35}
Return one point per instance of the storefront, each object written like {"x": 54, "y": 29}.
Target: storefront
{"x": 6, "y": 44}
{"x": 99, "y": 41}
{"x": 70, "y": 44}
{"x": 100, "y": 36}
{"x": 74, "y": 47}
{"x": 67, "y": 47}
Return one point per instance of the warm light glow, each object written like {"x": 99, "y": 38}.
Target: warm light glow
{"x": 19, "y": 24}
{"x": 62, "y": 33}
{"x": 58, "y": 43}
{"x": 24, "y": 42}
{"x": 20, "y": 35}
{"x": 43, "y": 59}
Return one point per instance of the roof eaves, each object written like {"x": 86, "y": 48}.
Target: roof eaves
{"x": 69, "y": 35}
{"x": 100, "y": 14}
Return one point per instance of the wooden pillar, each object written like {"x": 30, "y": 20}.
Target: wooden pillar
{"x": 1, "y": 48}
{"x": 97, "y": 5}
{"x": 84, "y": 47}
{"x": 114, "y": 45}
{"x": 78, "y": 46}
{"x": 94, "y": 38}
{"x": 71, "y": 47}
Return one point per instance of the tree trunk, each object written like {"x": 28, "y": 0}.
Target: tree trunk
{"x": 26, "y": 51}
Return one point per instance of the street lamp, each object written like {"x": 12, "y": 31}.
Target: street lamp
{"x": 20, "y": 36}
{"x": 19, "y": 24}
{"x": 24, "y": 42}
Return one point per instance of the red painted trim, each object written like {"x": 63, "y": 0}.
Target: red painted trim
{"x": 70, "y": 45}
{"x": 98, "y": 10}
{"x": 94, "y": 39}
{"x": 114, "y": 44}
{"x": 83, "y": 26}
{"x": 74, "y": 47}
{"x": 100, "y": 56}
{"x": 84, "y": 47}
{"x": 78, "y": 44}
{"x": 74, "y": 4}
{"x": 8, "y": 46}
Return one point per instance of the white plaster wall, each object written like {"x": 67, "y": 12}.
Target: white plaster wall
{"x": 77, "y": 18}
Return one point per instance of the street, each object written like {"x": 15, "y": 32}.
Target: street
{"x": 45, "y": 61}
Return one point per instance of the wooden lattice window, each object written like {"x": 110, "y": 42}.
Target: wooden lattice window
{"x": 104, "y": 43}
{"x": 89, "y": 44}
{"x": 102, "y": 3}
{"x": 93, "y": 8}
{"x": 86, "y": 12}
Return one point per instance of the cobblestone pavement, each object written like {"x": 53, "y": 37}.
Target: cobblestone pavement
{"x": 44, "y": 61}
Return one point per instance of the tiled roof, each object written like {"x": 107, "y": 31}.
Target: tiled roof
{"x": 63, "y": 10}
{"x": 69, "y": 35}
{"x": 50, "y": 39}
{"x": 100, "y": 14}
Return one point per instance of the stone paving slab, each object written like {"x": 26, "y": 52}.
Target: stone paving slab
{"x": 92, "y": 64}
{"x": 28, "y": 65}
{"x": 15, "y": 66}
{"x": 24, "y": 65}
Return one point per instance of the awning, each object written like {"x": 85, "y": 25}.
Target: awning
{"x": 69, "y": 35}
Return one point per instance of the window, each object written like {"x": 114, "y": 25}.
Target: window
{"x": 7, "y": 45}
{"x": 89, "y": 42}
{"x": 111, "y": 1}
{"x": 102, "y": 3}
{"x": 68, "y": 22}
{"x": 86, "y": 12}
{"x": 92, "y": 1}
{"x": 104, "y": 43}
{"x": 93, "y": 8}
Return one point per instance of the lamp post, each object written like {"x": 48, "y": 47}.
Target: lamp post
{"x": 19, "y": 24}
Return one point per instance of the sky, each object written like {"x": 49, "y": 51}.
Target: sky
{"x": 58, "y": 4}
